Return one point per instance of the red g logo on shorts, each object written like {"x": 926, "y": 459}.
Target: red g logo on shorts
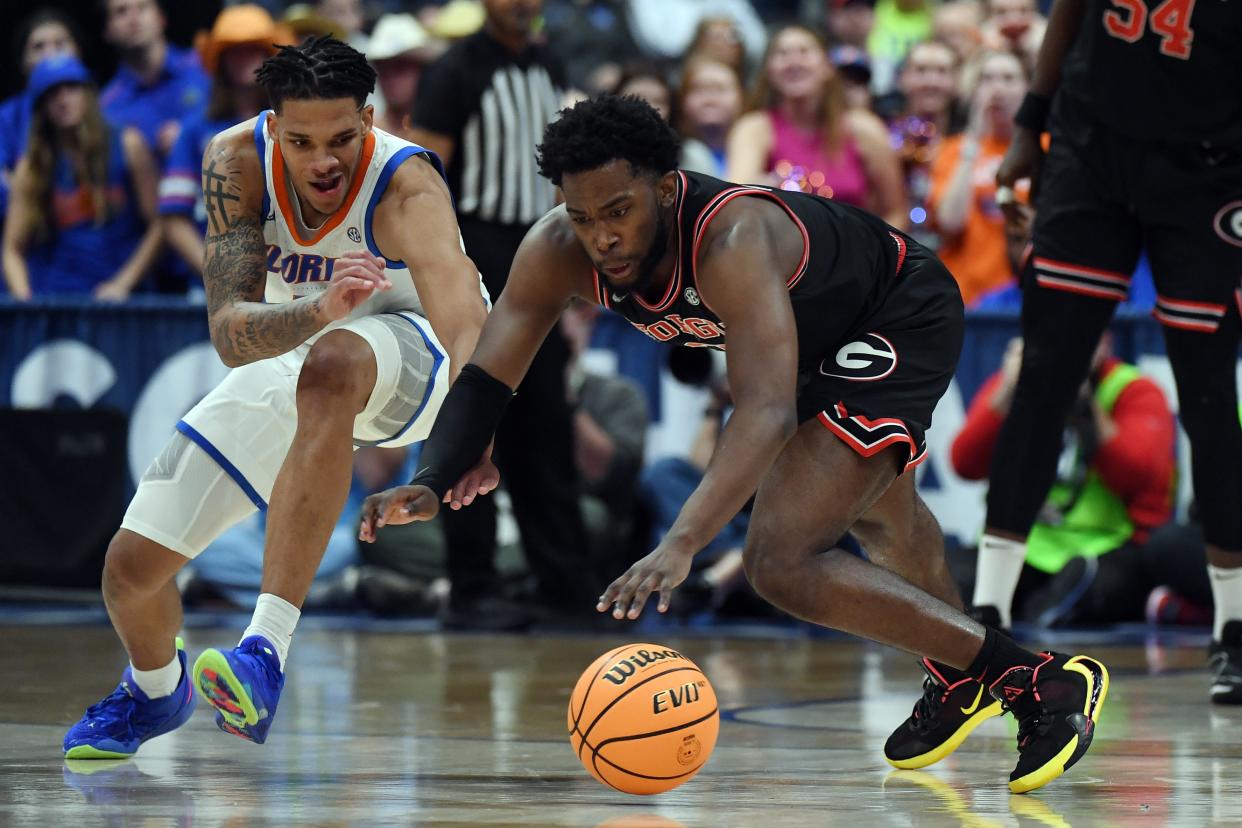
{"x": 868, "y": 358}
{"x": 1228, "y": 223}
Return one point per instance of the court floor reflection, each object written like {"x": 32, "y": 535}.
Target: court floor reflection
{"x": 397, "y": 728}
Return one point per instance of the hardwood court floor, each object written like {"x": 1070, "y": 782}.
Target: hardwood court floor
{"x": 402, "y": 728}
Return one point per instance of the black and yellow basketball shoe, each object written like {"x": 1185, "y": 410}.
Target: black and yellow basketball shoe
{"x": 1225, "y": 658}
{"x": 951, "y": 707}
{"x": 1057, "y": 705}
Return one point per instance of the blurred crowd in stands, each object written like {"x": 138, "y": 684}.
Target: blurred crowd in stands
{"x": 901, "y": 107}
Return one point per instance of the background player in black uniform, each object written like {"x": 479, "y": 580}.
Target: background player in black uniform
{"x": 841, "y": 336}
{"x": 1146, "y": 152}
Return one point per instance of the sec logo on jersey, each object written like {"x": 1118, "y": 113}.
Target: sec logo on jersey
{"x": 870, "y": 357}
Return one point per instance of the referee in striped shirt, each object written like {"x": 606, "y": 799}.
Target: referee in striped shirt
{"x": 483, "y": 107}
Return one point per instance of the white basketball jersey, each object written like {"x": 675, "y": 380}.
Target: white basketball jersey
{"x": 300, "y": 262}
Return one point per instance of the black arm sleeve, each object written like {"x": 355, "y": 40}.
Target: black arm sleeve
{"x": 463, "y": 428}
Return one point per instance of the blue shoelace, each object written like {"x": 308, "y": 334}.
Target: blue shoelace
{"x": 117, "y": 712}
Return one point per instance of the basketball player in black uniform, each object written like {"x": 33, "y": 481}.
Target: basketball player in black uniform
{"x": 1146, "y": 152}
{"x": 842, "y": 334}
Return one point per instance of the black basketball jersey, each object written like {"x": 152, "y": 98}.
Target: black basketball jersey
{"x": 850, "y": 260}
{"x": 1158, "y": 70}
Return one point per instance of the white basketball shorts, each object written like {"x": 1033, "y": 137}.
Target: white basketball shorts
{"x": 223, "y": 461}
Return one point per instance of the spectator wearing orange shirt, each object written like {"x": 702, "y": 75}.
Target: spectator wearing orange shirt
{"x": 963, "y": 181}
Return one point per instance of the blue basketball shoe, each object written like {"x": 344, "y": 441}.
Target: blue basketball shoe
{"x": 115, "y": 726}
{"x": 243, "y": 685}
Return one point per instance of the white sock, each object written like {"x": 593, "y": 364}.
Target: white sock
{"x": 161, "y": 681}
{"x": 996, "y": 575}
{"x": 274, "y": 619}
{"x": 1227, "y": 595}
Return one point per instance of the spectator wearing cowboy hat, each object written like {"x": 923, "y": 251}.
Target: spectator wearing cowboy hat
{"x": 240, "y": 40}
{"x": 400, "y": 48}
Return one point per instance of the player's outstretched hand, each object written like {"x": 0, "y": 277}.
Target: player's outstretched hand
{"x": 395, "y": 506}
{"x": 661, "y": 571}
{"x": 355, "y": 276}
{"x": 480, "y": 480}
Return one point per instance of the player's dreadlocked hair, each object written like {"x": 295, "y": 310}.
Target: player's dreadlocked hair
{"x": 320, "y": 68}
{"x": 591, "y": 133}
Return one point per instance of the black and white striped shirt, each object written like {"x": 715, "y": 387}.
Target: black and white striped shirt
{"x": 494, "y": 105}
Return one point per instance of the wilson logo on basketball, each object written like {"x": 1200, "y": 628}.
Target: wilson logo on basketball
{"x": 1228, "y": 223}
{"x": 674, "y": 697}
{"x": 649, "y": 733}
{"x": 689, "y": 750}
{"x": 629, "y": 666}
{"x": 869, "y": 358}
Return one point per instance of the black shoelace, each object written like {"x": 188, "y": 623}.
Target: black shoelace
{"x": 927, "y": 708}
{"x": 1032, "y": 717}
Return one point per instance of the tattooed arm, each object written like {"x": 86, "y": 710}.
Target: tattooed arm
{"x": 244, "y": 328}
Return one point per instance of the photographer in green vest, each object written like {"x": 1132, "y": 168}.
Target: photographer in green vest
{"x": 1085, "y": 559}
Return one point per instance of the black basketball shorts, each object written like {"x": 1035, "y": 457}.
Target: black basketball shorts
{"x": 877, "y": 387}
{"x": 1102, "y": 198}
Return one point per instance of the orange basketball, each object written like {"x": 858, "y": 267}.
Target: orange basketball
{"x": 643, "y": 718}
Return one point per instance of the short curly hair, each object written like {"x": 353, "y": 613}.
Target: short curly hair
{"x": 593, "y": 132}
{"x": 319, "y": 68}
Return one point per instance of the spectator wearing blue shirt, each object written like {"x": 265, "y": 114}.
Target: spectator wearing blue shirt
{"x": 241, "y": 38}
{"x": 157, "y": 86}
{"x": 83, "y": 208}
{"x": 43, "y": 34}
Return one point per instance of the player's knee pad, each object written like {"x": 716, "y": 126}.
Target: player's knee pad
{"x": 411, "y": 380}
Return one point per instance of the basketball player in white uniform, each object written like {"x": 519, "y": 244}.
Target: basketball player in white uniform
{"x": 339, "y": 293}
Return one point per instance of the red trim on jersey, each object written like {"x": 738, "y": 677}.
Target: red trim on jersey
{"x": 1185, "y": 324}
{"x": 1054, "y": 283}
{"x": 601, "y": 293}
{"x": 1193, "y": 307}
{"x": 901, "y": 250}
{"x": 1081, "y": 270}
{"x": 870, "y": 425}
{"x": 674, "y": 281}
{"x": 865, "y": 449}
{"x": 917, "y": 459}
{"x": 705, "y": 218}
{"x": 868, "y": 449}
